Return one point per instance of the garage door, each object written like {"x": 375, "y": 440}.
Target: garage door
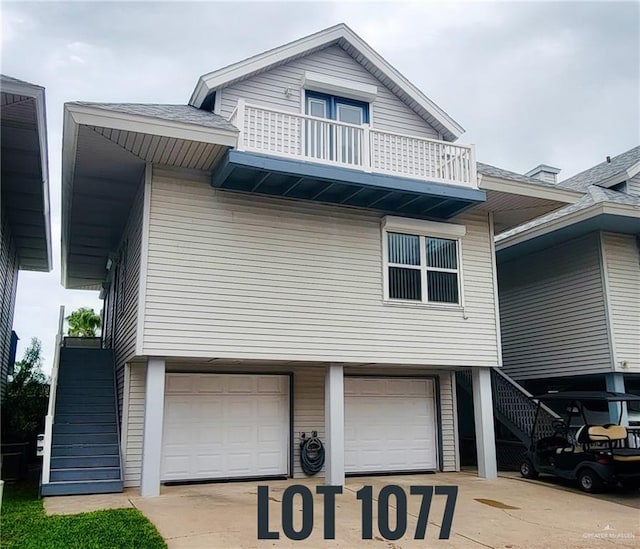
{"x": 390, "y": 425}
{"x": 225, "y": 426}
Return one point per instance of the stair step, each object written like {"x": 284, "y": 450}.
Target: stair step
{"x": 86, "y": 400}
{"x": 89, "y": 396}
{"x": 81, "y": 487}
{"x": 86, "y": 418}
{"x": 75, "y": 450}
{"x": 84, "y": 438}
{"x": 86, "y": 377}
{"x": 71, "y": 408}
{"x": 77, "y": 428}
{"x": 85, "y": 473}
{"x": 77, "y": 462}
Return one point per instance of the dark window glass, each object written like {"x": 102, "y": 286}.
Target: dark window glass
{"x": 404, "y": 249}
{"x": 404, "y": 284}
{"x": 442, "y": 287}
{"x": 442, "y": 253}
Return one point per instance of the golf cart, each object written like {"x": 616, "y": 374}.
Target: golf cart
{"x": 576, "y": 447}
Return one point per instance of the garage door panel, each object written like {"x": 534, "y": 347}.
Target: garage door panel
{"x": 210, "y": 384}
{"x": 389, "y": 425}
{"x": 223, "y": 428}
{"x": 179, "y": 384}
{"x": 240, "y": 384}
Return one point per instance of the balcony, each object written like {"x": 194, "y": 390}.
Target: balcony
{"x": 300, "y": 156}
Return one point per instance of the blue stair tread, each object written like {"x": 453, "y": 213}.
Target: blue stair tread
{"x": 88, "y": 428}
{"x": 82, "y": 462}
{"x": 71, "y": 487}
{"x": 85, "y": 474}
{"x": 84, "y": 449}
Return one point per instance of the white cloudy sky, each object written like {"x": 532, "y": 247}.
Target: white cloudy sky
{"x": 531, "y": 82}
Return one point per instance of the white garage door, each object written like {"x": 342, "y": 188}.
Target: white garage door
{"x": 225, "y": 426}
{"x": 390, "y": 425}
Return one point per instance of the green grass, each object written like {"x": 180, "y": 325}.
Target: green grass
{"x": 25, "y": 526}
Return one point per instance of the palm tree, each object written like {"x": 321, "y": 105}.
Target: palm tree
{"x": 83, "y": 323}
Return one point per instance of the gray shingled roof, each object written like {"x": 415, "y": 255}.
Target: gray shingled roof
{"x": 17, "y": 80}
{"x": 594, "y": 195}
{"x": 603, "y": 171}
{"x": 493, "y": 171}
{"x": 176, "y": 113}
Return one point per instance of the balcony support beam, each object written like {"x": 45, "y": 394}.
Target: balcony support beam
{"x": 321, "y": 191}
{"x": 292, "y": 187}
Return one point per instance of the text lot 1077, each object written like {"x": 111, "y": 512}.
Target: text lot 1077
{"x": 391, "y": 506}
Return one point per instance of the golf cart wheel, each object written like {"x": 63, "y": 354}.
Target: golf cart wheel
{"x": 589, "y": 481}
{"x": 527, "y": 470}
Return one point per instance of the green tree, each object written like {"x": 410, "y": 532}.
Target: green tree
{"x": 83, "y": 323}
{"x": 26, "y": 398}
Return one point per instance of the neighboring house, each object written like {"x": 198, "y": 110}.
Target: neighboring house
{"x": 24, "y": 202}
{"x": 569, "y": 286}
{"x": 303, "y": 247}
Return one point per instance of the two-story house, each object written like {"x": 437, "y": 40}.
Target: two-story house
{"x": 303, "y": 247}
{"x": 25, "y": 228}
{"x": 569, "y": 286}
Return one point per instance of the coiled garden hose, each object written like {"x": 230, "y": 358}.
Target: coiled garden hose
{"x": 311, "y": 454}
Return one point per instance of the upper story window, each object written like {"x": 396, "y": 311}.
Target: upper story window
{"x": 341, "y": 109}
{"x": 420, "y": 267}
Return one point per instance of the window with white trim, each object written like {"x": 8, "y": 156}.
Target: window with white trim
{"x": 422, "y": 268}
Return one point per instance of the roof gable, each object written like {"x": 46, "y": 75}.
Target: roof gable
{"x": 344, "y": 37}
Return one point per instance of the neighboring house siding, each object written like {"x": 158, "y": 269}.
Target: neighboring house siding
{"x": 8, "y": 283}
{"x": 552, "y": 312}
{"x": 121, "y": 301}
{"x": 133, "y": 430}
{"x": 240, "y": 276}
{"x": 633, "y": 185}
{"x": 308, "y": 408}
{"x": 268, "y": 89}
{"x": 622, "y": 260}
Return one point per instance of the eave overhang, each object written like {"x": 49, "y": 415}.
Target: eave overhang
{"x": 25, "y": 172}
{"x": 514, "y": 202}
{"x": 610, "y": 217}
{"x": 104, "y": 158}
{"x": 268, "y": 175}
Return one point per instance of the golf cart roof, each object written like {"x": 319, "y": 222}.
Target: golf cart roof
{"x": 607, "y": 396}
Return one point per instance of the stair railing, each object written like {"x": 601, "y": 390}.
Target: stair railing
{"x": 515, "y": 403}
{"x": 51, "y": 411}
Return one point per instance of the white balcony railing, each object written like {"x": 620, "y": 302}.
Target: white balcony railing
{"x": 304, "y": 137}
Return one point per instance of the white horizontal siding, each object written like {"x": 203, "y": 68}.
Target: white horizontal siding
{"x": 121, "y": 312}
{"x": 552, "y": 312}
{"x": 133, "y": 430}
{"x": 308, "y": 406}
{"x": 240, "y": 276}
{"x": 268, "y": 89}
{"x": 448, "y": 419}
{"x": 9, "y": 261}
{"x": 633, "y": 185}
{"x": 622, "y": 260}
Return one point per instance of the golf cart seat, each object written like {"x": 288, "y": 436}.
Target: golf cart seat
{"x": 626, "y": 454}
{"x": 600, "y": 433}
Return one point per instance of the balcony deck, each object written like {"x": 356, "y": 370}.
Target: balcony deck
{"x": 303, "y": 157}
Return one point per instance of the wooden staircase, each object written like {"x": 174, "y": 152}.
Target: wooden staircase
{"x": 85, "y": 445}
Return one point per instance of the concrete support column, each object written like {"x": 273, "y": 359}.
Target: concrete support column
{"x": 152, "y": 442}
{"x": 615, "y": 383}
{"x": 334, "y": 424}
{"x": 483, "y": 415}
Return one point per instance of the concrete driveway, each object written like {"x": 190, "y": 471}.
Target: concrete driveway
{"x": 508, "y": 513}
